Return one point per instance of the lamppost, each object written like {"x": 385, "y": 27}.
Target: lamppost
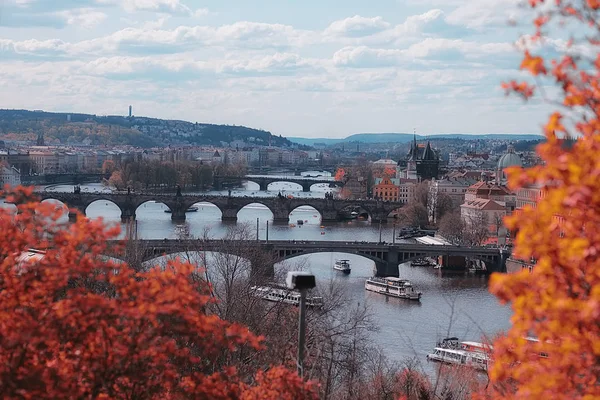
{"x": 301, "y": 281}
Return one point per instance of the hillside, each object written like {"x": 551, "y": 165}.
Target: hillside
{"x": 407, "y": 137}
{"x": 73, "y": 128}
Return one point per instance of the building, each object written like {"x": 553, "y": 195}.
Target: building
{"x": 384, "y": 167}
{"x": 487, "y": 211}
{"x": 455, "y": 188}
{"x": 355, "y": 187}
{"x": 10, "y": 176}
{"x": 422, "y": 162}
{"x": 385, "y": 189}
{"x": 529, "y": 196}
{"x": 510, "y": 159}
{"x": 489, "y": 190}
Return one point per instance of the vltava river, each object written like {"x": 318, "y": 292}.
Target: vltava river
{"x": 452, "y": 304}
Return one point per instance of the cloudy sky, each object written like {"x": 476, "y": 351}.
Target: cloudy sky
{"x": 312, "y": 68}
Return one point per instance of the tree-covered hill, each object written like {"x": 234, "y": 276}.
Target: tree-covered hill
{"x": 74, "y": 128}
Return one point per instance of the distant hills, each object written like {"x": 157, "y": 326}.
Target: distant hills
{"x": 407, "y": 137}
{"x": 74, "y": 128}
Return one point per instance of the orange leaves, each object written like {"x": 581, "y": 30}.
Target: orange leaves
{"x": 559, "y": 301}
{"x": 534, "y": 64}
{"x": 593, "y": 4}
{"x": 521, "y": 88}
{"x": 74, "y": 325}
{"x": 554, "y": 123}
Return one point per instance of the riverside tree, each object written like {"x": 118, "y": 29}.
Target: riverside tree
{"x": 75, "y": 325}
{"x": 559, "y": 301}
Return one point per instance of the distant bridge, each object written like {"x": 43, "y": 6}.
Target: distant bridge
{"x": 386, "y": 256}
{"x": 264, "y": 181}
{"x": 75, "y": 178}
{"x": 281, "y": 207}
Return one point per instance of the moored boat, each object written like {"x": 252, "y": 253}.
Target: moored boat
{"x": 423, "y": 262}
{"x": 393, "y": 287}
{"x": 467, "y": 353}
{"x": 190, "y": 209}
{"x": 281, "y": 294}
{"x": 343, "y": 266}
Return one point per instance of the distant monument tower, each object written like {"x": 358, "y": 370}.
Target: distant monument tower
{"x": 130, "y": 110}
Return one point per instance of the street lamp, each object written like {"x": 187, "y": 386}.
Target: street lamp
{"x": 301, "y": 281}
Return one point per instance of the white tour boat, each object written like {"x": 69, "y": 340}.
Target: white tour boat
{"x": 342, "y": 265}
{"x": 281, "y": 294}
{"x": 393, "y": 287}
{"x": 470, "y": 354}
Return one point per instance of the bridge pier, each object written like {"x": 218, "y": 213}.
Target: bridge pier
{"x": 127, "y": 216}
{"x": 263, "y": 185}
{"x": 178, "y": 216}
{"x": 329, "y": 216}
{"x": 385, "y": 269}
{"x": 229, "y": 214}
{"x": 72, "y": 216}
{"x": 306, "y": 187}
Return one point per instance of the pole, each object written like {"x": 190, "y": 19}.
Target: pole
{"x": 379, "y": 231}
{"x": 394, "y": 234}
{"x": 301, "y": 333}
{"x": 267, "y": 231}
{"x": 257, "y": 220}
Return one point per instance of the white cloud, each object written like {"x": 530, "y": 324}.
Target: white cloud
{"x": 201, "y": 12}
{"x": 365, "y": 57}
{"x": 480, "y": 14}
{"x": 357, "y": 26}
{"x": 86, "y": 17}
{"x": 159, "y": 6}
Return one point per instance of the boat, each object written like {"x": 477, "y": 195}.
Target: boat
{"x": 393, "y": 287}
{"x": 423, "y": 262}
{"x": 343, "y": 266}
{"x": 281, "y": 294}
{"x": 471, "y": 354}
{"x": 300, "y": 222}
{"x": 190, "y": 209}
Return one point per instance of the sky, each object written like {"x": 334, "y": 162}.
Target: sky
{"x": 310, "y": 68}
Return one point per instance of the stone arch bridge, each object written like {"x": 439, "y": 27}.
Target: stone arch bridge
{"x": 264, "y": 181}
{"x": 280, "y": 206}
{"x": 386, "y": 256}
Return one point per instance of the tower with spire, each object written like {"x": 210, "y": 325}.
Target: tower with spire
{"x": 422, "y": 163}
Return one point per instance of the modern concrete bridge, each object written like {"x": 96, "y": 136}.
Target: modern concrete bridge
{"x": 386, "y": 256}
{"x": 280, "y": 206}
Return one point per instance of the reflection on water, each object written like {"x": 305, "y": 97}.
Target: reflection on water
{"x": 457, "y": 305}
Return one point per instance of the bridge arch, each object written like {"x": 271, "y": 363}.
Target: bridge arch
{"x": 255, "y": 209}
{"x": 58, "y": 205}
{"x": 205, "y": 209}
{"x": 307, "y": 213}
{"x": 295, "y": 187}
{"x": 109, "y": 210}
{"x": 355, "y": 210}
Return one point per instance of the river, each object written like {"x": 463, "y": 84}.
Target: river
{"x": 455, "y": 304}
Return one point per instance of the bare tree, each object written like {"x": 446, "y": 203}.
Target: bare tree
{"x": 414, "y": 214}
{"x": 444, "y": 205}
{"x": 452, "y": 228}
{"x": 477, "y": 229}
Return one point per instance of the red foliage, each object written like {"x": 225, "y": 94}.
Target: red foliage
{"x": 74, "y": 325}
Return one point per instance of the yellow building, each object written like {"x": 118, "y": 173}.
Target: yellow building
{"x": 385, "y": 189}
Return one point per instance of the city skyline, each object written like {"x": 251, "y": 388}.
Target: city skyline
{"x": 309, "y": 70}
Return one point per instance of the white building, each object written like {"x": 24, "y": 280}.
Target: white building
{"x": 10, "y": 176}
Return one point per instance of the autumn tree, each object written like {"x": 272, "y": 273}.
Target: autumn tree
{"x": 559, "y": 301}
{"x": 108, "y": 167}
{"x": 75, "y": 325}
